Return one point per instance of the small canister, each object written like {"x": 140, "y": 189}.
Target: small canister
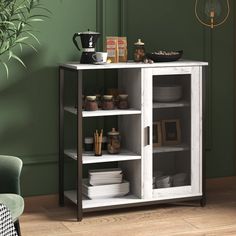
{"x": 107, "y": 102}
{"x": 91, "y": 103}
{"x": 113, "y": 141}
{"x": 139, "y": 51}
{"x": 88, "y": 144}
{"x": 123, "y": 101}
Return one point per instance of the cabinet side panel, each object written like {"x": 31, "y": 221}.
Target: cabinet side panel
{"x": 196, "y": 127}
{"x": 147, "y": 132}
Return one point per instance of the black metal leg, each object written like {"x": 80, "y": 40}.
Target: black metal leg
{"x": 203, "y": 202}
{"x": 17, "y": 227}
{"x": 61, "y": 136}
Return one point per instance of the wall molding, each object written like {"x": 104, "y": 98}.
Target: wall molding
{"x": 123, "y": 18}
{"x": 101, "y": 21}
{"x": 39, "y": 159}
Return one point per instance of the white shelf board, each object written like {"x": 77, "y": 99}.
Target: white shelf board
{"x": 157, "y": 105}
{"x": 88, "y": 203}
{"x": 89, "y": 157}
{"x": 117, "y": 112}
{"x": 175, "y": 148}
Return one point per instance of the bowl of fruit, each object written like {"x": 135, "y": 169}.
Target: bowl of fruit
{"x": 164, "y": 56}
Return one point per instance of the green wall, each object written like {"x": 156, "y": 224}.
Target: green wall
{"x": 29, "y": 98}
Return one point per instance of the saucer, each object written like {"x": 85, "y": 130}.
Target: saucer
{"x": 100, "y": 63}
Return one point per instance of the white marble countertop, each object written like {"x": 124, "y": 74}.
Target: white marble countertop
{"x": 130, "y": 64}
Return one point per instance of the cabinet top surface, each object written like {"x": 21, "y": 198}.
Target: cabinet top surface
{"x": 180, "y": 63}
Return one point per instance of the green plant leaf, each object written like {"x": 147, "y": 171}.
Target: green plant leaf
{"x": 6, "y": 68}
{"x": 12, "y": 55}
{"x": 33, "y": 36}
{"x": 36, "y": 20}
{"x": 21, "y": 39}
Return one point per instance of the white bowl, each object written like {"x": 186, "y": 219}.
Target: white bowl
{"x": 167, "y": 93}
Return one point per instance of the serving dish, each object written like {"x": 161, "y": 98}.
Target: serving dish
{"x": 165, "y": 56}
{"x": 167, "y": 93}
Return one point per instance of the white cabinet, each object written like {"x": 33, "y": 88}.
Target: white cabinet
{"x": 161, "y": 155}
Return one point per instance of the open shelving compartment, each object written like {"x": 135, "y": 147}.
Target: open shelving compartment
{"x": 129, "y": 123}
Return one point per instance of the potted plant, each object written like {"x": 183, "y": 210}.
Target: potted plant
{"x": 16, "y": 27}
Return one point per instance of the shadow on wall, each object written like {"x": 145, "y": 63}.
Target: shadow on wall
{"x": 28, "y": 106}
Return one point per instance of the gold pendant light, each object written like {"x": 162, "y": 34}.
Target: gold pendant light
{"x": 212, "y": 13}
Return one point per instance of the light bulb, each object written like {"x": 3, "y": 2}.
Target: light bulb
{"x": 212, "y": 8}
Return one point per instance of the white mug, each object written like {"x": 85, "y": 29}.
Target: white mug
{"x": 100, "y": 57}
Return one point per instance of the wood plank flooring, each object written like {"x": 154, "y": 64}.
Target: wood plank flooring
{"x": 43, "y": 217}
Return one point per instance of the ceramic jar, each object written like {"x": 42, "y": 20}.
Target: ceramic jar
{"x": 113, "y": 141}
{"x": 107, "y": 102}
{"x": 139, "y": 51}
{"x": 123, "y": 101}
{"x": 91, "y": 103}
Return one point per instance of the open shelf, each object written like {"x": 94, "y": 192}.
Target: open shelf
{"x": 175, "y": 148}
{"x": 181, "y": 103}
{"x": 88, "y": 157}
{"x": 117, "y": 112}
{"x": 88, "y": 203}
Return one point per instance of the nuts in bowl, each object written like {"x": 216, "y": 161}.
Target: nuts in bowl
{"x": 164, "y": 56}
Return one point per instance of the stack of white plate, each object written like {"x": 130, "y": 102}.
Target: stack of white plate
{"x": 105, "y": 183}
{"x": 105, "y": 191}
{"x": 105, "y": 176}
{"x": 167, "y": 93}
{"x": 179, "y": 179}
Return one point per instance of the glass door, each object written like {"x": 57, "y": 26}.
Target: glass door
{"x": 176, "y": 135}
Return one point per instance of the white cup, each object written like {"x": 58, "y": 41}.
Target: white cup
{"x": 100, "y": 57}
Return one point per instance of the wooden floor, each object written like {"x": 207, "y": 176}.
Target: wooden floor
{"x": 43, "y": 217}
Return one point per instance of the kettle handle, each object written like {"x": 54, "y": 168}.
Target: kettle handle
{"x": 74, "y": 40}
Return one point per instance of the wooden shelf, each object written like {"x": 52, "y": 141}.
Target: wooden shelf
{"x": 88, "y": 203}
{"x": 176, "y": 148}
{"x": 117, "y": 112}
{"x": 89, "y": 157}
{"x": 182, "y": 103}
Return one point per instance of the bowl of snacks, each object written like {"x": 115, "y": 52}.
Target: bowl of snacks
{"x": 164, "y": 56}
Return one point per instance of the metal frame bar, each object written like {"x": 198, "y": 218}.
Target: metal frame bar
{"x": 79, "y": 139}
{"x": 61, "y": 135}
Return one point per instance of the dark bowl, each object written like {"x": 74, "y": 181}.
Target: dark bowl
{"x": 164, "y": 58}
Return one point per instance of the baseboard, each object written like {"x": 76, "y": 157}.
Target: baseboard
{"x": 51, "y": 201}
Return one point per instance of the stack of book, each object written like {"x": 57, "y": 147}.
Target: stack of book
{"x": 105, "y": 183}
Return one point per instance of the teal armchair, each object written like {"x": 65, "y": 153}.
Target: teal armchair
{"x": 10, "y": 171}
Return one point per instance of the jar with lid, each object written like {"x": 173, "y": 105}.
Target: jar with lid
{"x": 113, "y": 141}
{"x": 123, "y": 101}
{"x": 91, "y": 103}
{"x": 107, "y": 102}
{"x": 139, "y": 51}
{"x": 88, "y": 144}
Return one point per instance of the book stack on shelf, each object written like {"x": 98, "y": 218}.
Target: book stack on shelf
{"x": 105, "y": 183}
